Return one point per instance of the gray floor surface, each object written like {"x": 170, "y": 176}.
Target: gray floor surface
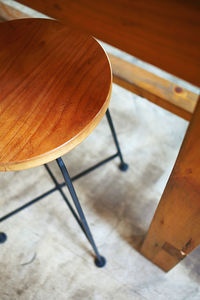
{"x": 47, "y": 257}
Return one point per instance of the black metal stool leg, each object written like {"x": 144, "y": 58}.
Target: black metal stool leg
{"x": 100, "y": 260}
{"x": 123, "y": 166}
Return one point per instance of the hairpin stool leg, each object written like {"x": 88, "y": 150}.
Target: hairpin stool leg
{"x": 99, "y": 260}
{"x": 123, "y": 166}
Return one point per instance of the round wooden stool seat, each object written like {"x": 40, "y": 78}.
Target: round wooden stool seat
{"x": 55, "y": 86}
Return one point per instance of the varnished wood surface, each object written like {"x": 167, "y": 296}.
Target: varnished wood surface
{"x": 55, "y": 86}
{"x": 175, "y": 229}
{"x": 163, "y": 33}
{"x": 160, "y": 91}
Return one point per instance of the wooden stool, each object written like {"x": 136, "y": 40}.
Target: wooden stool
{"x": 55, "y": 86}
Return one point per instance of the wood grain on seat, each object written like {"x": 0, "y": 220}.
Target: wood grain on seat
{"x": 55, "y": 86}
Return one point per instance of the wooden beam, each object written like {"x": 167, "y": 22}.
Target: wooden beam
{"x": 175, "y": 229}
{"x": 162, "y": 33}
{"x": 135, "y": 79}
{"x": 158, "y": 90}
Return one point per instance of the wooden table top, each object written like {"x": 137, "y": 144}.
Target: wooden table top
{"x": 55, "y": 87}
{"x": 163, "y": 33}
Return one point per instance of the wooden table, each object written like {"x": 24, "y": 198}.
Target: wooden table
{"x": 165, "y": 34}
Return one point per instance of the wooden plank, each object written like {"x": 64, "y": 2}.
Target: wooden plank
{"x": 163, "y": 33}
{"x": 175, "y": 229}
{"x": 160, "y": 91}
{"x": 143, "y": 83}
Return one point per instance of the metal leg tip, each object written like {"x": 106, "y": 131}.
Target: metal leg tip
{"x": 3, "y": 237}
{"x": 100, "y": 263}
{"x": 123, "y": 167}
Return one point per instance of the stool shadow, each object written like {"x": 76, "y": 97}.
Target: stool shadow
{"x": 123, "y": 201}
{"x": 124, "y": 204}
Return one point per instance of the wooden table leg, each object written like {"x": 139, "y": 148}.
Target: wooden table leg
{"x": 175, "y": 228}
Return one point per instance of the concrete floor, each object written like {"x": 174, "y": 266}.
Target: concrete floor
{"x": 47, "y": 257}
